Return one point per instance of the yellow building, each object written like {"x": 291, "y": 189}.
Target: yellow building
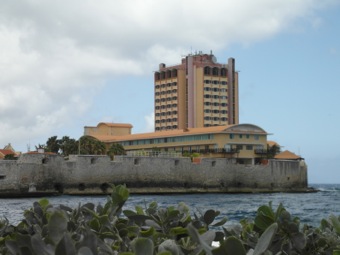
{"x": 247, "y": 143}
{"x": 197, "y": 93}
{"x": 108, "y": 129}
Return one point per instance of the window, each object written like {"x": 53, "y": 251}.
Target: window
{"x": 256, "y": 137}
{"x": 240, "y": 136}
{"x": 239, "y": 147}
{"x": 223, "y": 72}
{"x": 247, "y": 136}
{"x": 215, "y": 71}
{"x": 207, "y": 70}
{"x": 249, "y": 147}
{"x": 231, "y": 136}
{"x": 174, "y": 73}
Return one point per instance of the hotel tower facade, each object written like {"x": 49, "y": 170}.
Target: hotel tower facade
{"x": 197, "y": 93}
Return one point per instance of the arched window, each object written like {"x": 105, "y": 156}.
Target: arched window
{"x": 162, "y": 75}
{"x": 168, "y": 74}
{"x": 157, "y": 76}
{"x": 223, "y": 72}
{"x": 174, "y": 73}
{"x": 215, "y": 71}
{"x": 207, "y": 70}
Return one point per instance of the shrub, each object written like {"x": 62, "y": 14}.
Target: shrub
{"x": 109, "y": 229}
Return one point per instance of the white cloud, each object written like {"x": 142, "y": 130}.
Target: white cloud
{"x": 56, "y": 55}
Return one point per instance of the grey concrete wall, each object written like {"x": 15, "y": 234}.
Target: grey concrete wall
{"x": 93, "y": 174}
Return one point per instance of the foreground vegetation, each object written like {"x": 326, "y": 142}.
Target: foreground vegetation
{"x": 109, "y": 229}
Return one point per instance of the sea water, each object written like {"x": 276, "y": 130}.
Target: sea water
{"x": 311, "y": 208}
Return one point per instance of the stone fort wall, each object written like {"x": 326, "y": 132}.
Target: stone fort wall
{"x": 94, "y": 174}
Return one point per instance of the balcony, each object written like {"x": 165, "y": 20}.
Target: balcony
{"x": 219, "y": 150}
{"x": 260, "y": 151}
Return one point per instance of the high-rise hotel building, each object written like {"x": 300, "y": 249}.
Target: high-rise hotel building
{"x": 199, "y": 92}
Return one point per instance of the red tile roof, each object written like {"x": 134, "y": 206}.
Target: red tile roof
{"x": 287, "y": 155}
{"x": 6, "y": 152}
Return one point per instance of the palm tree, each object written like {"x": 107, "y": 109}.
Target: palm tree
{"x": 91, "y": 146}
{"x": 115, "y": 149}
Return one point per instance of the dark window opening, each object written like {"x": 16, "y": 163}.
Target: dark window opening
{"x": 81, "y": 186}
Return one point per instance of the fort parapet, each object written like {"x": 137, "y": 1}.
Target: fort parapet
{"x": 85, "y": 175}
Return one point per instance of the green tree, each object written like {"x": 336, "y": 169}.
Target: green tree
{"x": 91, "y": 146}
{"x": 68, "y": 146}
{"x": 53, "y": 144}
{"x": 10, "y": 157}
{"x": 116, "y": 149}
{"x": 273, "y": 150}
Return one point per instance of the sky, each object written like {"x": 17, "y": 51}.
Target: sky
{"x": 69, "y": 64}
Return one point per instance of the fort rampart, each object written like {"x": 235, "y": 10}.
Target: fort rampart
{"x": 81, "y": 174}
